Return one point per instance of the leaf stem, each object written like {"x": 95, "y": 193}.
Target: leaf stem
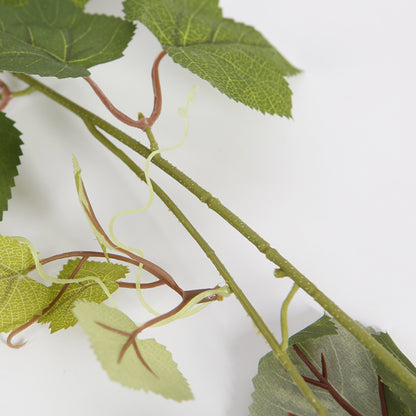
{"x": 262, "y": 245}
{"x": 21, "y": 93}
{"x": 283, "y": 317}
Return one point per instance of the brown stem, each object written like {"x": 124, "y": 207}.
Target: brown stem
{"x": 324, "y": 383}
{"x": 6, "y": 95}
{"x": 152, "y": 268}
{"x": 143, "y": 123}
{"x": 128, "y": 285}
{"x": 167, "y": 278}
{"x": 157, "y": 104}
{"x": 64, "y": 287}
{"x": 382, "y": 395}
{"x": 18, "y": 331}
{"x": 48, "y": 308}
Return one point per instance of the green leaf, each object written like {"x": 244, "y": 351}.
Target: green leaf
{"x": 60, "y": 316}
{"x": 165, "y": 380}
{"x": 21, "y": 298}
{"x": 397, "y": 388}
{"x": 14, "y": 3}
{"x": 56, "y": 38}
{"x": 20, "y": 3}
{"x": 350, "y": 370}
{"x": 321, "y": 327}
{"x": 395, "y": 406}
{"x": 80, "y": 3}
{"x": 233, "y": 57}
{"x": 10, "y": 152}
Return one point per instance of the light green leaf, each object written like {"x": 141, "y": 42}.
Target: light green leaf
{"x": 10, "y": 151}
{"x": 60, "y": 316}
{"x": 21, "y": 298}
{"x": 398, "y": 389}
{"x": 107, "y": 344}
{"x": 321, "y": 327}
{"x": 350, "y": 370}
{"x": 233, "y": 57}
{"x": 56, "y": 38}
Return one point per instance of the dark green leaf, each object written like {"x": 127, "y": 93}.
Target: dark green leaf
{"x": 10, "y": 151}
{"x": 233, "y": 57}
{"x": 397, "y": 388}
{"x": 350, "y": 371}
{"x": 56, "y": 38}
{"x": 60, "y": 316}
{"x": 321, "y": 327}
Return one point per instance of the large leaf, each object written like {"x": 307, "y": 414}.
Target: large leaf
{"x": 350, "y": 370}
{"x": 396, "y": 388}
{"x": 21, "y": 298}
{"x": 233, "y": 57}
{"x": 60, "y": 316}
{"x": 164, "y": 377}
{"x": 10, "y": 152}
{"x": 56, "y": 38}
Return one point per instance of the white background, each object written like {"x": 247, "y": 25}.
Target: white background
{"x": 333, "y": 189}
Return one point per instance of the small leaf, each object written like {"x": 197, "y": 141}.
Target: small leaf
{"x": 350, "y": 371}
{"x": 60, "y": 316}
{"x": 107, "y": 344}
{"x": 323, "y": 326}
{"x": 395, "y": 385}
{"x": 21, "y": 298}
{"x": 56, "y": 38}
{"x": 10, "y": 151}
{"x": 233, "y": 57}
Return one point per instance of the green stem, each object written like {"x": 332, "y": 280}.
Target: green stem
{"x": 26, "y": 91}
{"x": 262, "y": 245}
{"x": 207, "y": 249}
{"x": 283, "y": 317}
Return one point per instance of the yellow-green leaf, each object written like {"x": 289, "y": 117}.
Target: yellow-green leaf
{"x": 164, "y": 377}
{"x": 60, "y": 316}
{"x": 21, "y": 298}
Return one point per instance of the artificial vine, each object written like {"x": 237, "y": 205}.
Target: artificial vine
{"x": 59, "y": 39}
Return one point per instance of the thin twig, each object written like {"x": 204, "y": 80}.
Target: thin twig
{"x": 142, "y": 123}
{"x": 150, "y": 267}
